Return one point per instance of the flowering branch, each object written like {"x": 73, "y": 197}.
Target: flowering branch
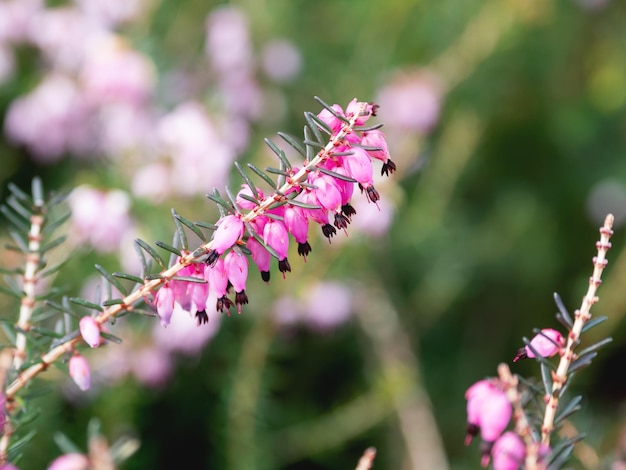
{"x": 581, "y": 317}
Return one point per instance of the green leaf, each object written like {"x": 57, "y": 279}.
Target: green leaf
{"x": 217, "y": 198}
{"x": 14, "y": 219}
{"x": 153, "y": 254}
{"x": 247, "y": 180}
{"x": 182, "y": 236}
{"x": 66, "y": 445}
{"x": 15, "y": 204}
{"x": 561, "y": 306}
{"x": 197, "y": 280}
{"x": 193, "y": 227}
{"x": 85, "y": 303}
{"x": 310, "y": 150}
{"x": 266, "y": 178}
{"x": 110, "y": 337}
{"x": 167, "y": 247}
{"x": 50, "y": 227}
{"x": 331, "y": 110}
{"x": 368, "y": 128}
{"x": 37, "y": 192}
{"x": 45, "y": 332}
{"x": 17, "y": 295}
{"x": 233, "y": 199}
{"x": 129, "y": 277}
{"x": 249, "y": 198}
{"x": 19, "y": 194}
{"x": 206, "y": 225}
{"x": 582, "y": 361}
{"x": 569, "y": 409}
{"x": 276, "y": 171}
{"x": 53, "y": 244}
{"x": 58, "y": 198}
{"x": 145, "y": 267}
{"x": 118, "y": 285}
{"x": 304, "y": 205}
{"x": 312, "y": 120}
{"x": 334, "y": 174}
{"x": 60, "y": 308}
{"x": 595, "y": 346}
{"x": 279, "y": 153}
{"x": 294, "y": 143}
{"x": 111, "y": 302}
{"x": 312, "y": 143}
{"x": 593, "y": 322}
{"x": 19, "y": 240}
{"x": 258, "y": 238}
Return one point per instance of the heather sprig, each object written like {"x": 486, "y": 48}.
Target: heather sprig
{"x": 537, "y": 410}
{"x": 316, "y": 191}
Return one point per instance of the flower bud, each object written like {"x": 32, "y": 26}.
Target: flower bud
{"x": 80, "y": 372}
{"x": 229, "y": 230}
{"x": 71, "y": 461}
{"x": 90, "y": 331}
{"x": 546, "y": 343}
{"x": 488, "y": 411}
{"x": 508, "y": 452}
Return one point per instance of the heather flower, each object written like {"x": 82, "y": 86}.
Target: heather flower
{"x": 8, "y": 466}
{"x": 508, "y": 452}
{"x": 281, "y": 60}
{"x": 546, "y": 343}
{"x": 297, "y": 224}
{"x": 276, "y": 236}
{"x": 327, "y": 192}
{"x": 260, "y": 256}
{"x": 229, "y": 230}
{"x": 355, "y": 106}
{"x": 71, "y": 461}
{"x": 375, "y": 138}
{"x": 328, "y": 305}
{"x": 217, "y": 278}
{"x": 164, "y": 302}
{"x": 90, "y": 331}
{"x": 488, "y": 411}
{"x": 329, "y": 118}
{"x": 80, "y": 371}
{"x": 236, "y": 265}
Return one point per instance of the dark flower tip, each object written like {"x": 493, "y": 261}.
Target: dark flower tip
{"x": 224, "y": 303}
{"x": 348, "y": 210}
{"x": 202, "y": 317}
{"x": 241, "y": 298}
{"x": 212, "y": 258}
{"x": 388, "y": 168}
{"x": 341, "y": 221}
{"x": 283, "y": 266}
{"x": 265, "y": 275}
{"x": 304, "y": 249}
{"x": 328, "y": 230}
{"x": 374, "y": 108}
{"x": 372, "y": 194}
{"x": 520, "y": 354}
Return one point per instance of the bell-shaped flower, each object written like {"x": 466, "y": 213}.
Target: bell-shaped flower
{"x": 329, "y": 118}
{"x": 365, "y": 110}
{"x": 164, "y": 301}
{"x": 508, "y": 452}
{"x": 546, "y": 343}
{"x": 297, "y": 224}
{"x": 236, "y": 265}
{"x": 229, "y": 230}
{"x": 245, "y": 202}
{"x": 488, "y": 411}
{"x": 217, "y": 278}
{"x": 260, "y": 256}
{"x": 319, "y": 215}
{"x": 80, "y": 371}
{"x": 375, "y": 138}
{"x": 90, "y": 331}
{"x": 71, "y": 461}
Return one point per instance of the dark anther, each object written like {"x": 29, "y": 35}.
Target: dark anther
{"x": 304, "y": 248}
{"x": 283, "y": 266}
{"x": 388, "y": 168}
{"x": 328, "y": 230}
{"x": 341, "y": 221}
{"x": 202, "y": 317}
{"x": 348, "y": 210}
{"x": 265, "y": 275}
{"x": 372, "y": 194}
{"x": 374, "y": 108}
{"x": 212, "y": 258}
{"x": 241, "y": 298}
{"x": 224, "y": 303}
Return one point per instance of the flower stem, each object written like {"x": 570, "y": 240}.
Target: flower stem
{"x": 582, "y": 316}
{"x": 194, "y": 257}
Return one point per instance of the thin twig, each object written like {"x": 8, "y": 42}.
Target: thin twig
{"x": 367, "y": 459}
{"x": 581, "y": 317}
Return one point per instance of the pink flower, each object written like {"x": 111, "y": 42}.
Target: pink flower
{"x": 327, "y": 192}
{"x": 329, "y": 118}
{"x": 229, "y": 230}
{"x": 90, "y": 331}
{"x": 297, "y": 224}
{"x": 217, "y": 277}
{"x": 72, "y": 461}
{"x": 359, "y": 165}
{"x": 260, "y": 256}
{"x": 80, "y": 372}
{"x": 236, "y": 265}
{"x": 508, "y": 452}
{"x": 375, "y": 138}
{"x": 488, "y": 411}
{"x": 355, "y": 106}
{"x": 164, "y": 301}
{"x": 8, "y": 466}
{"x": 276, "y": 236}
{"x": 246, "y": 203}
{"x": 546, "y": 343}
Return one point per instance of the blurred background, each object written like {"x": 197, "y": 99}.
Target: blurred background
{"x": 507, "y": 121}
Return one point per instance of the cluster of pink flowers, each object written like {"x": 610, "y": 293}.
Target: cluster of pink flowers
{"x": 326, "y": 192}
{"x": 489, "y": 410}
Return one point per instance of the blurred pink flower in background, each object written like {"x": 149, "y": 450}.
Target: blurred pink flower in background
{"x": 323, "y": 307}
{"x": 281, "y": 60}
{"x": 7, "y": 63}
{"x": 200, "y": 158}
{"x": 152, "y": 182}
{"x": 100, "y": 218}
{"x": 50, "y": 120}
{"x": 113, "y": 12}
{"x": 410, "y": 102}
{"x": 112, "y": 71}
{"x": 15, "y": 18}
{"x": 227, "y": 42}
{"x": 151, "y": 366}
